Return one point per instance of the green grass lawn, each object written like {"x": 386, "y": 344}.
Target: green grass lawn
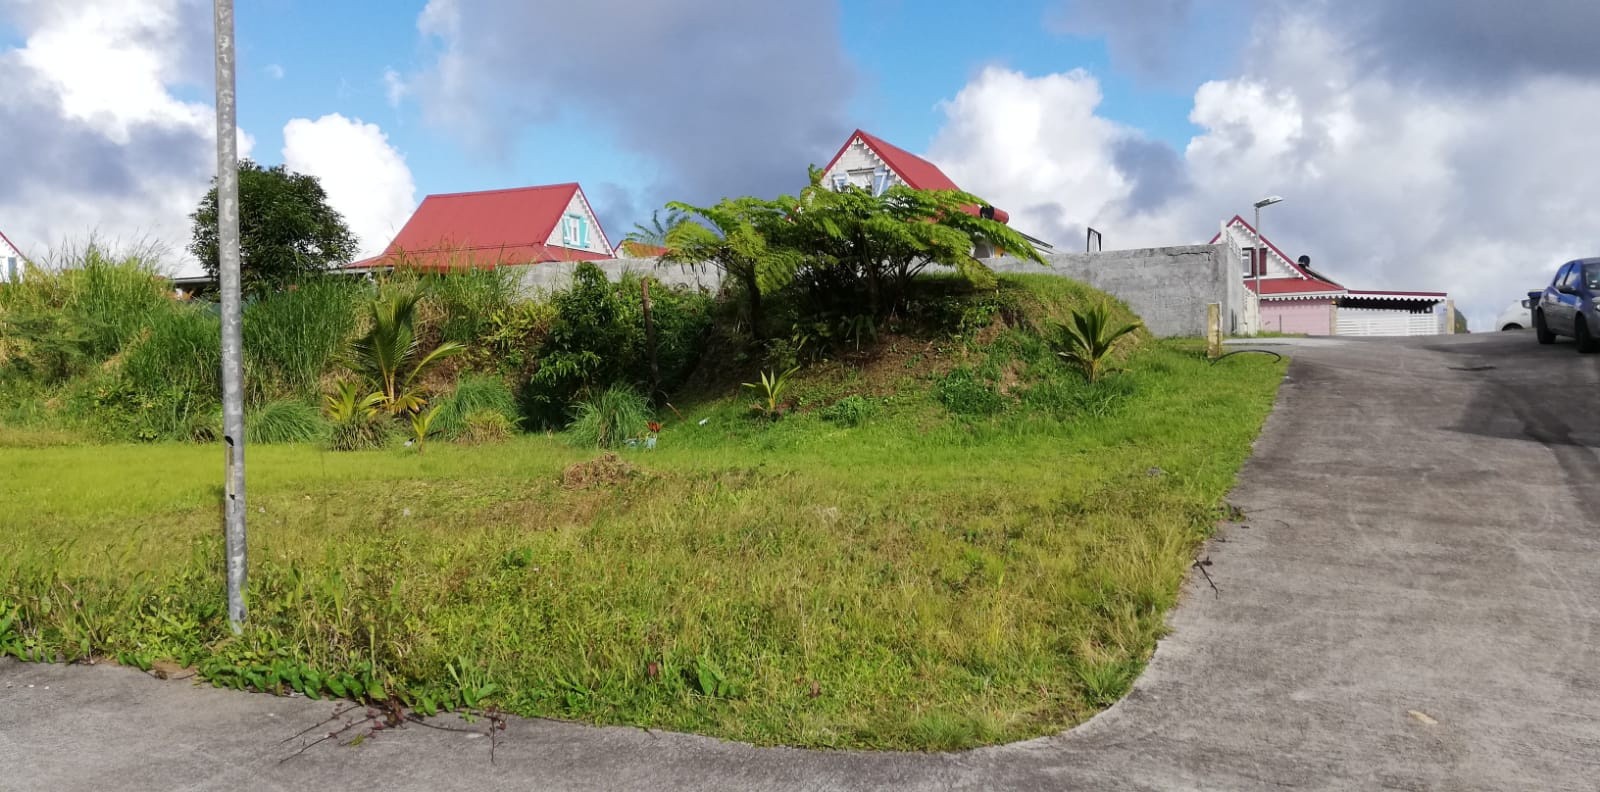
{"x": 923, "y": 580}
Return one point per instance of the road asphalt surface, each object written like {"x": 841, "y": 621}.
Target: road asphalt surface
{"x": 1410, "y": 602}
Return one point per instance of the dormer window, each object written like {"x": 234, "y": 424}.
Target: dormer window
{"x": 840, "y": 181}
{"x": 575, "y": 231}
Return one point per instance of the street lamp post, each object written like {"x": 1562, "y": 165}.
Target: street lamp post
{"x": 232, "y": 343}
{"x": 1261, "y": 252}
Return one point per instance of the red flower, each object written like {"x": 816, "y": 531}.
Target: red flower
{"x": 655, "y": 426}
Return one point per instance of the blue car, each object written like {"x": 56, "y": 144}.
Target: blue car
{"x": 1567, "y": 307}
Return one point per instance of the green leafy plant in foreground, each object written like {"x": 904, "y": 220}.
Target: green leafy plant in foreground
{"x": 391, "y": 356}
{"x": 1087, "y": 341}
{"x": 357, "y": 423}
{"x": 772, "y": 390}
{"x": 422, "y": 427}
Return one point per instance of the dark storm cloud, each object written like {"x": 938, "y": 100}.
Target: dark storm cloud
{"x": 1486, "y": 42}
{"x": 1140, "y": 34}
{"x": 1456, "y": 44}
{"x": 729, "y": 96}
{"x": 1157, "y": 172}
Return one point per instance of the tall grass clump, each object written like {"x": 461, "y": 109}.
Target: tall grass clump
{"x": 287, "y": 421}
{"x": 116, "y": 297}
{"x": 477, "y": 395}
{"x": 468, "y": 299}
{"x": 610, "y": 418}
{"x": 293, "y": 337}
{"x": 82, "y": 308}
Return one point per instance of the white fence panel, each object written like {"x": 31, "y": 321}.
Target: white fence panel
{"x": 1372, "y": 322}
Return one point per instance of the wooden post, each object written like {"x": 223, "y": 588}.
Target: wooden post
{"x": 1214, "y": 330}
{"x": 650, "y": 337}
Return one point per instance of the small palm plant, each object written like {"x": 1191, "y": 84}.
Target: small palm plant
{"x": 391, "y": 355}
{"x": 1087, "y": 342}
{"x": 422, "y": 427}
{"x": 355, "y": 418}
{"x": 771, "y": 390}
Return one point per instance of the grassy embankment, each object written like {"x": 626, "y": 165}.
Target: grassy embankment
{"x": 980, "y": 548}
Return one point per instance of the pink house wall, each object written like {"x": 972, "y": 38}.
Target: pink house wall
{"x": 1311, "y": 317}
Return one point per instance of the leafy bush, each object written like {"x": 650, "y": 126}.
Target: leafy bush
{"x": 284, "y": 422}
{"x": 293, "y": 337}
{"x": 475, "y": 394}
{"x": 597, "y": 339}
{"x": 963, "y": 393}
{"x": 852, "y": 411}
{"x": 611, "y": 418}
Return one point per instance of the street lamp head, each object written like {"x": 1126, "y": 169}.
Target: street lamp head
{"x": 1268, "y": 201}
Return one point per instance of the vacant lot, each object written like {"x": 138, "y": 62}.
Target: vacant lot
{"x": 909, "y": 577}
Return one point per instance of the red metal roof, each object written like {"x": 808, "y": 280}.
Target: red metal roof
{"x": 916, "y": 172}
{"x": 1293, "y": 265}
{"x": 484, "y": 229}
{"x": 4, "y": 239}
{"x": 1271, "y": 286}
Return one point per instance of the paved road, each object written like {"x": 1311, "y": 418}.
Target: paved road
{"x": 1410, "y": 604}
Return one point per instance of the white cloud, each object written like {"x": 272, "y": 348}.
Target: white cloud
{"x": 1391, "y": 182}
{"x": 96, "y": 139}
{"x": 395, "y": 87}
{"x": 366, "y": 179}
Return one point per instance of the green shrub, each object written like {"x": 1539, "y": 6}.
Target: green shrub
{"x": 114, "y": 296}
{"x": 293, "y": 337}
{"x": 1087, "y": 340}
{"x": 284, "y": 422}
{"x": 852, "y": 411}
{"x": 597, "y": 339}
{"x": 475, "y": 394}
{"x": 963, "y": 393}
{"x": 611, "y": 418}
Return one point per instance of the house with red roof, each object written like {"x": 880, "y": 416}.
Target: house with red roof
{"x": 1294, "y": 298}
{"x": 495, "y": 228}
{"x": 871, "y": 163}
{"x": 12, "y": 262}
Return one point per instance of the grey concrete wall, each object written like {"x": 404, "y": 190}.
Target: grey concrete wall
{"x": 1168, "y": 288}
{"x": 557, "y": 275}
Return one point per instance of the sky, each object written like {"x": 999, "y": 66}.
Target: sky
{"x": 1426, "y": 144}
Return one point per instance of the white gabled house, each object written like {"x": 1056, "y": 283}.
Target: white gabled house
{"x": 872, "y": 163}
{"x": 1297, "y": 299}
{"x": 12, "y": 262}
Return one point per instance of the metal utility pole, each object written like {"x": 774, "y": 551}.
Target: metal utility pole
{"x": 232, "y": 338}
{"x": 1261, "y": 252}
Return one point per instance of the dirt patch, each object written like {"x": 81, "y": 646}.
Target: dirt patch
{"x": 607, "y": 471}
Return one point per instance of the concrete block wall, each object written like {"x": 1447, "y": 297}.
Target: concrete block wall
{"x": 557, "y": 275}
{"x": 1168, "y": 288}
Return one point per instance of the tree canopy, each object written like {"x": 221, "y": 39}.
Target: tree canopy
{"x": 286, "y": 228}
{"x": 851, "y": 251}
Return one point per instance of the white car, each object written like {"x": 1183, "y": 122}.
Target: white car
{"x": 1516, "y": 317}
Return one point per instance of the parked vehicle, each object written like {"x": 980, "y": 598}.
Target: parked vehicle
{"x": 1517, "y": 316}
{"x": 1567, "y": 306}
